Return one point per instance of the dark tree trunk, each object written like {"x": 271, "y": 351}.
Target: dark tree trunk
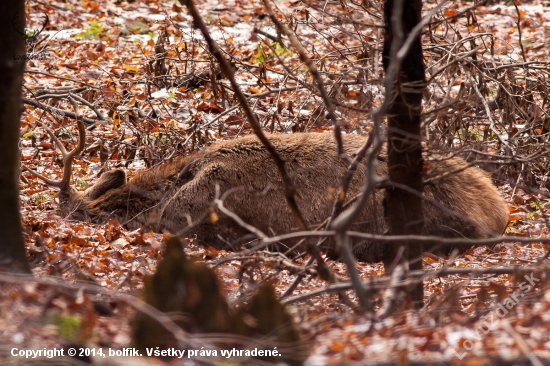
{"x": 404, "y": 209}
{"x": 12, "y": 64}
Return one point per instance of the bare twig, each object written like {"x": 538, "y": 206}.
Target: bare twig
{"x": 391, "y": 296}
{"x": 56, "y": 111}
{"x": 218, "y": 203}
{"x": 68, "y": 156}
{"x": 414, "y": 277}
{"x": 489, "y": 115}
{"x": 331, "y": 116}
{"x": 518, "y": 24}
{"x": 522, "y": 345}
{"x": 62, "y": 78}
{"x": 289, "y": 188}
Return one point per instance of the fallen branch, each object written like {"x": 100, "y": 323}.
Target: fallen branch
{"x": 414, "y": 277}
{"x": 57, "y": 111}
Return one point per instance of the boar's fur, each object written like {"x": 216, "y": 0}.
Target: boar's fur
{"x": 175, "y": 193}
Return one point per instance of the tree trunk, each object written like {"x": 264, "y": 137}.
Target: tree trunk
{"x": 12, "y": 64}
{"x": 403, "y": 209}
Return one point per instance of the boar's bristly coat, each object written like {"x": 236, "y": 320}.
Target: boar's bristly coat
{"x": 179, "y": 193}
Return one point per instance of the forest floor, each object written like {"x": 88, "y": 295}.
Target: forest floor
{"x": 109, "y": 47}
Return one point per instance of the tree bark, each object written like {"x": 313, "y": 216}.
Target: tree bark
{"x": 12, "y": 64}
{"x": 403, "y": 209}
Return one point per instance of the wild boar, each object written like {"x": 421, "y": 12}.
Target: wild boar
{"x": 179, "y": 193}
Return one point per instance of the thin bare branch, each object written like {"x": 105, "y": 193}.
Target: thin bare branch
{"x": 227, "y": 70}
{"x": 68, "y": 156}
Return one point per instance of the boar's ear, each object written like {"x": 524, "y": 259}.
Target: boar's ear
{"x": 109, "y": 180}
